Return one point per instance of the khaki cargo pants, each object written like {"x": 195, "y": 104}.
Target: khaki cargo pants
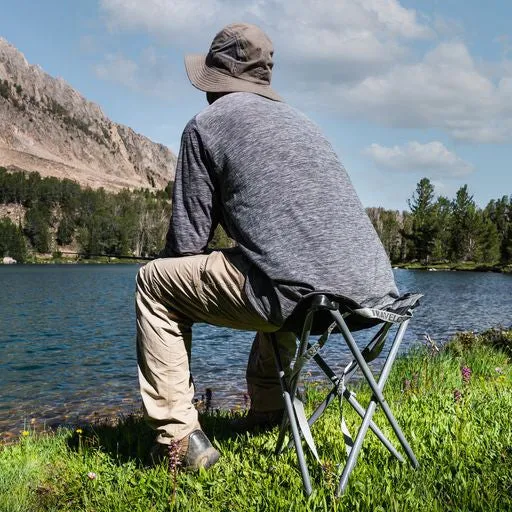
{"x": 172, "y": 294}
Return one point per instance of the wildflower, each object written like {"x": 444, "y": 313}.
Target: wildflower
{"x": 91, "y": 475}
{"x": 25, "y": 433}
{"x": 174, "y": 456}
{"x": 466, "y": 374}
{"x": 457, "y": 395}
{"x": 79, "y": 431}
{"x": 499, "y": 370}
{"x": 430, "y": 344}
{"x": 406, "y": 385}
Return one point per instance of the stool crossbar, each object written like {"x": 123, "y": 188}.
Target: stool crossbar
{"x": 321, "y": 313}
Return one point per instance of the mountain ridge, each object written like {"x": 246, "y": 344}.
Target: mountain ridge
{"x": 48, "y": 126}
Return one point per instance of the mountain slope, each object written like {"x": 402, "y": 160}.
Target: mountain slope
{"x": 47, "y": 126}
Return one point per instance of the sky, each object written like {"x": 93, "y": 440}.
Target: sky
{"x": 402, "y": 89}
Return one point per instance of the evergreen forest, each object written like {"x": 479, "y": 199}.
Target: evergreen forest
{"x": 60, "y": 216}
{"x": 443, "y": 230}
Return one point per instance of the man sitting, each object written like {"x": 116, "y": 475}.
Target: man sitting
{"x": 265, "y": 172}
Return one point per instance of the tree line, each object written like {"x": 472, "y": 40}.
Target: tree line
{"x": 443, "y": 230}
{"x": 59, "y": 212}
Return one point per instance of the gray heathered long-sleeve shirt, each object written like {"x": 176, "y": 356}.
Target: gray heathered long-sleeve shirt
{"x": 268, "y": 175}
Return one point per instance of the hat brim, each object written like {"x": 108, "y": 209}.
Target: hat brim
{"x": 208, "y": 79}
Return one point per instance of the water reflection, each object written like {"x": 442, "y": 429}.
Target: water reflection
{"x": 67, "y": 337}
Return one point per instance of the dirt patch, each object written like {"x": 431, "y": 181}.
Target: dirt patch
{"x": 13, "y": 211}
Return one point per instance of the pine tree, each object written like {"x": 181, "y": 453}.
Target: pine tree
{"x": 443, "y": 211}
{"x": 500, "y": 213}
{"x": 12, "y": 241}
{"x": 66, "y": 229}
{"x": 465, "y": 226}
{"x": 488, "y": 250}
{"x": 37, "y": 221}
{"x": 424, "y": 222}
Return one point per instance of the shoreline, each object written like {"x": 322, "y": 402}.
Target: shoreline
{"x": 455, "y": 267}
{"x": 124, "y": 260}
{"x": 104, "y": 260}
{"x": 499, "y": 338}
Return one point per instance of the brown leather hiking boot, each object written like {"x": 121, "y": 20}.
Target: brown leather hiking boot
{"x": 190, "y": 453}
{"x": 255, "y": 421}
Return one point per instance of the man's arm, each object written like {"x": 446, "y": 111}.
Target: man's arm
{"x": 194, "y": 207}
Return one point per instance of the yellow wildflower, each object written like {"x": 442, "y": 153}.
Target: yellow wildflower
{"x": 25, "y": 433}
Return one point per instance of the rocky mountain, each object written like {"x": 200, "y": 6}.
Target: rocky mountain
{"x": 47, "y": 126}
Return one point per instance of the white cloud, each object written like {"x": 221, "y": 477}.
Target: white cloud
{"x": 347, "y": 39}
{"x": 116, "y": 68}
{"x": 448, "y": 27}
{"x": 149, "y": 75}
{"x": 167, "y": 18}
{"x": 170, "y": 19}
{"x": 432, "y": 158}
{"x": 356, "y": 58}
{"x": 445, "y": 90}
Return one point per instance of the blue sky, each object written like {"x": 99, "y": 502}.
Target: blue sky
{"x": 402, "y": 89}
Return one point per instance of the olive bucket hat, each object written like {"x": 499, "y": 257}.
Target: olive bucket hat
{"x": 239, "y": 60}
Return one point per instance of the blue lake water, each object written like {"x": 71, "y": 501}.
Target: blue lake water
{"x": 67, "y": 338}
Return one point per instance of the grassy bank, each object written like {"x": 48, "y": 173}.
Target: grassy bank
{"x": 454, "y": 406}
{"x": 467, "y": 265}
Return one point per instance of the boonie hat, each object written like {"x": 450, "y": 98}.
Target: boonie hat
{"x": 239, "y": 60}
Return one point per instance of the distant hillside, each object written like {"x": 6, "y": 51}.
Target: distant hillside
{"x": 47, "y": 126}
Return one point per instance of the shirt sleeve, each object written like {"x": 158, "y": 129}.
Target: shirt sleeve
{"x": 194, "y": 206}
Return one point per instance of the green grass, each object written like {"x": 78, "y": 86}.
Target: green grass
{"x": 460, "y": 431}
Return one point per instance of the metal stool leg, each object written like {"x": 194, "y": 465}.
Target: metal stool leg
{"x": 354, "y": 452}
{"x": 290, "y": 412}
{"x": 378, "y": 397}
{"x": 352, "y": 401}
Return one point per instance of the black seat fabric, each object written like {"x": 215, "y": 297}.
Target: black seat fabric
{"x": 322, "y": 303}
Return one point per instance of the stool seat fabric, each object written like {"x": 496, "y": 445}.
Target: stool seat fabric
{"x": 365, "y": 315}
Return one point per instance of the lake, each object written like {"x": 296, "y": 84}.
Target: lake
{"x": 67, "y": 338}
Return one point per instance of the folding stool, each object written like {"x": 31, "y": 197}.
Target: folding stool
{"x": 319, "y": 313}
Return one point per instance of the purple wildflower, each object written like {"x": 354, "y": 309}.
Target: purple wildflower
{"x": 174, "y": 461}
{"x": 174, "y": 456}
{"x": 457, "y": 395}
{"x": 91, "y": 475}
{"x": 407, "y": 385}
{"x": 466, "y": 374}
{"x": 499, "y": 370}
